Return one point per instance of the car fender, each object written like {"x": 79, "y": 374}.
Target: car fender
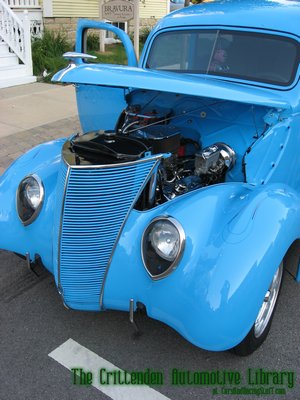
{"x": 236, "y": 237}
{"x": 36, "y": 238}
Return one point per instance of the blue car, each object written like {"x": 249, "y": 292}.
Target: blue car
{"x": 181, "y": 196}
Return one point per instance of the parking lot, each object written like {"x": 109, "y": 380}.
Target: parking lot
{"x": 40, "y": 340}
{"x": 35, "y": 323}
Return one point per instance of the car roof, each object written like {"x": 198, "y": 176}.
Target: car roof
{"x": 279, "y": 15}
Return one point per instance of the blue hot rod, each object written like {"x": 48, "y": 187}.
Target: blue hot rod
{"x": 182, "y": 194}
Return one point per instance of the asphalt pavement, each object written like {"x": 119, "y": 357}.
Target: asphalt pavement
{"x": 34, "y": 323}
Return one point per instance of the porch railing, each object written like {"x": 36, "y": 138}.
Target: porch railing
{"x": 22, "y": 3}
{"x": 16, "y": 34}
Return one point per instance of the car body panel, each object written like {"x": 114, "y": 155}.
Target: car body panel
{"x": 131, "y": 77}
{"x": 237, "y": 228}
{"x": 99, "y": 113}
{"x": 210, "y": 288}
{"x": 91, "y": 113}
{"x": 275, "y": 150}
{"x": 277, "y": 15}
{"x": 44, "y": 160}
{"x": 202, "y": 298}
{"x": 85, "y": 24}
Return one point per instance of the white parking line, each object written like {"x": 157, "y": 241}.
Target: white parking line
{"x": 72, "y": 355}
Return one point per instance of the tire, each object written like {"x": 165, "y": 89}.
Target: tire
{"x": 262, "y": 324}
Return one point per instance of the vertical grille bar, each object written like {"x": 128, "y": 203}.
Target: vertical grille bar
{"x": 60, "y": 191}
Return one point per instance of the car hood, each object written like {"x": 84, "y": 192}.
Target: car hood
{"x": 138, "y": 78}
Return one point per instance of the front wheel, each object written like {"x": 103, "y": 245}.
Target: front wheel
{"x": 262, "y": 324}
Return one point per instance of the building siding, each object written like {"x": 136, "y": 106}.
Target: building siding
{"x": 90, "y": 8}
{"x": 153, "y": 8}
{"x": 75, "y": 8}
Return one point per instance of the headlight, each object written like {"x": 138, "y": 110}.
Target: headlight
{"x": 30, "y": 196}
{"x": 162, "y": 246}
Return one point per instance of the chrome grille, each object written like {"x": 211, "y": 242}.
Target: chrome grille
{"x": 96, "y": 204}
{"x": 60, "y": 190}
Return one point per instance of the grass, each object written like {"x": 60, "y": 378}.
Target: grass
{"x": 114, "y": 54}
{"x": 47, "y": 54}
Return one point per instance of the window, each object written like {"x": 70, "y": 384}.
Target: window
{"x": 250, "y": 56}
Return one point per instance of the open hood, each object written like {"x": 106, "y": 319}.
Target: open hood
{"x": 133, "y": 77}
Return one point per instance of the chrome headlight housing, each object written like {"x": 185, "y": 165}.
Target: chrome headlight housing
{"x": 162, "y": 246}
{"x": 30, "y": 197}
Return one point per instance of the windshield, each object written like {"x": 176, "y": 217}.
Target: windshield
{"x": 250, "y": 56}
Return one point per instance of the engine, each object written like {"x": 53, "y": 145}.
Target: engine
{"x": 188, "y": 167}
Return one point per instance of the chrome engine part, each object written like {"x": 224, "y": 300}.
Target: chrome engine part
{"x": 185, "y": 167}
{"x": 212, "y": 163}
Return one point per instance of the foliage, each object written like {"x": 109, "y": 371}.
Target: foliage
{"x": 144, "y": 33}
{"x": 47, "y": 53}
{"x": 93, "y": 42}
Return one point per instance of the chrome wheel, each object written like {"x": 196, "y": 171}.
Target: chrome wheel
{"x": 267, "y": 308}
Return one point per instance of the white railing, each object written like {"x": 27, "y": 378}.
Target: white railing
{"x": 16, "y": 34}
{"x": 22, "y": 3}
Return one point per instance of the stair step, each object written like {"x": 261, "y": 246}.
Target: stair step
{"x": 13, "y": 76}
{"x": 8, "y": 60}
{"x": 16, "y": 81}
{"x": 15, "y": 71}
{"x": 4, "y": 49}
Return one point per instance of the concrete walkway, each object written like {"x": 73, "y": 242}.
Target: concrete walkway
{"x": 28, "y": 106}
{"x": 33, "y": 114}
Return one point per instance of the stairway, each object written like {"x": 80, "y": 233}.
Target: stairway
{"x": 11, "y": 72}
{"x": 15, "y": 49}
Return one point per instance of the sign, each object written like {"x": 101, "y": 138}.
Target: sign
{"x": 118, "y": 11}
